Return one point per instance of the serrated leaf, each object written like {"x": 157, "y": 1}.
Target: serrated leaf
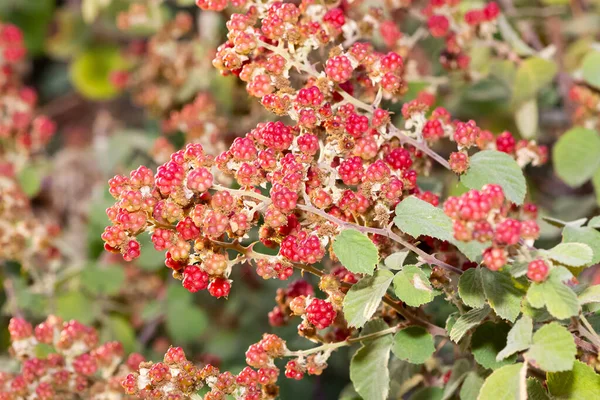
{"x": 526, "y": 118}
{"x": 585, "y": 235}
{"x": 590, "y": 67}
{"x": 189, "y": 328}
{"x": 575, "y": 155}
{"x": 364, "y": 297}
{"x": 581, "y": 383}
{"x": 468, "y": 321}
{"x": 558, "y": 298}
{"x": 590, "y": 295}
{"x": 504, "y": 383}
{"x": 571, "y": 254}
{"x": 553, "y": 348}
{"x": 413, "y": 344}
{"x": 356, "y": 251}
{"x": 518, "y": 269}
{"x": 470, "y": 288}
{"x": 396, "y": 260}
{"x": 458, "y": 374}
{"x": 491, "y": 166}
{"x": 369, "y": 366}
{"x": 412, "y": 286}
{"x": 487, "y": 341}
{"x": 532, "y": 75}
{"x": 417, "y": 217}
{"x": 75, "y": 305}
{"x": 471, "y": 386}
{"x": 519, "y": 337}
{"x": 502, "y": 294}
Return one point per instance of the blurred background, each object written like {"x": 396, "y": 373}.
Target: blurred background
{"x": 127, "y": 83}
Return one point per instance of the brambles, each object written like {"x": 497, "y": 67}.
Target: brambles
{"x": 75, "y": 364}
{"x": 382, "y": 164}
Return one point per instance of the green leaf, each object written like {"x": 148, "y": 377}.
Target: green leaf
{"x": 535, "y": 390}
{"x": 580, "y": 383}
{"x": 91, "y": 71}
{"x": 590, "y": 295}
{"x": 502, "y": 294}
{"x": 30, "y": 180}
{"x": 470, "y": 288}
{"x": 491, "y": 166}
{"x": 185, "y": 322}
{"x": 396, "y": 260}
{"x": 369, "y": 366}
{"x": 487, "y": 341}
{"x": 513, "y": 38}
{"x": 596, "y": 185}
{"x": 356, "y": 251}
{"x": 412, "y": 286}
{"x": 558, "y": 298}
{"x": 504, "y": 383}
{"x": 586, "y": 235}
{"x": 460, "y": 371}
{"x": 519, "y": 269}
{"x": 417, "y": 217}
{"x": 526, "y": 118}
{"x": 553, "y": 348}
{"x": 471, "y": 386}
{"x": 532, "y": 75}
{"x": 75, "y": 305}
{"x": 519, "y": 337}
{"x": 590, "y": 68}
{"x": 107, "y": 280}
{"x": 43, "y": 350}
{"x": 575, "y": 156}
{"x": 572, "y": 254}
{"x": 594, "y": 222}
{"x": 413, "y": 344}
{"x": 468, "y": 321}
{"x": 364, "y": 297}
{"x": 428, "y": 393}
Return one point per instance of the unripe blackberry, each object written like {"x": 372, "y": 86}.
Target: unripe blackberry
{"x": 438, "y": 25}
{"x": 219, "y": 287}
{"x": 339, "y": 69}
{"x": 508, "y": 232}
{"x": 199, "y": 180}
{"x": 320, "y": 313}
{"x": 399, "y": 159}
{"x": 459, "y": 162}
{"x": 466, "y": 134}
{"x": 351, "y": 171}
{"x": 194, "y": 279}
{"x": 293, "y": 370}
{"x": 494, "y": 258}
{"x": 537, "y": 270}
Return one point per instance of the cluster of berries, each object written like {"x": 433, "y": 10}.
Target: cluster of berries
{"x": 487, "y": 217}
{"x": 76, "y": 365}
{"x": 447, "y": 19}
{"x": 23, "y": 133}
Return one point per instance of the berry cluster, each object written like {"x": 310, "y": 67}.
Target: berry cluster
{"x": 486, "y": 216}
{"x": 76, "y": 367}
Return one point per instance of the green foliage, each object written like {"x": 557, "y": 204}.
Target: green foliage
{"x": 519, "y": 337}
{"x": 579, "y": 383}
{"x": 553, "y": 348}
{"x": 503, "y": 383}
{"x": 369, "y": 366}
{"x": 413, "y": 344}
{"x": 103, "y": 280}
{"x": 487, "y": 341}
{"x": 363, "y": 298}
{"x": 559, "y": 299}
{"x": 91, "y": 71}
{"x": 490, "y": 166}
{"x": 532, "y": 75}
{"x": 185, "y": 322}
{"x": 590, "y": 67}
{"x": 356, "y": 251}
{"x": 412, "y": 286}
{"x": 575, "y": 156}
{"x": 468, "y": 321}
{"x": 571, "y": 254}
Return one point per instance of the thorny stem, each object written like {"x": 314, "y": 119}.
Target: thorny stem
{"x": 332, "y": 346}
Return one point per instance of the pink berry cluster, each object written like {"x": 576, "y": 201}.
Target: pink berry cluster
{"x": 447, "y": 20}
{"x": 22, "y": 131}
{"x": 487, "y": 217}
{"x": 587, "y": 103}
{"x": 77, "y": 366}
